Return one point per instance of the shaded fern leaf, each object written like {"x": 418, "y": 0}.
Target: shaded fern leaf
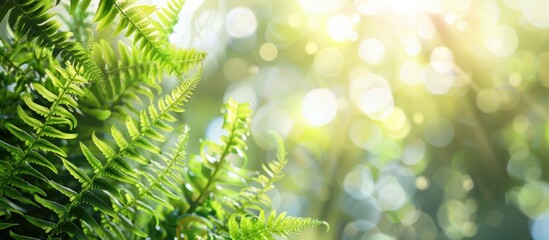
{"x": 266, "y": 227}
{"x": 67, "y": 83}
{"x": 31, "y": 20}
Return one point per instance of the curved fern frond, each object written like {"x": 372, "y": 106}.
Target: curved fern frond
{"x": 31, "y": 20}
{"x": 236, "y": 122}
{"x": 255, "y": 197}
{"x": 263, "y": 227}
{"x": 168, "y": 18}
{"x": 115, "y": 167}
{"x": 134, "y": 19}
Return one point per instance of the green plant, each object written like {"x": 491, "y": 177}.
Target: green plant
{"x": 83, "y": 133}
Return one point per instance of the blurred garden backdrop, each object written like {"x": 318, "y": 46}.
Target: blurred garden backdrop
{"x": 404, "y": 119}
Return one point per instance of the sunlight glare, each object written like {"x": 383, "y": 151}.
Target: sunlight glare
{"x": 321, "y": 6}
{"x": 371, "y": 51}
{"x": 369, "y": 7}
{"x": 241, "y": 22}
{"x": 328, "y": 62}
{"x": 390, "y": 195}
{"x": 359, "y": 183}
{"x": 319, "y": 107}
{"x": 372, "y": 95}
{"x": 340, "y": 28}
{"x": 501, "y": 40}
{"x": 412, "y": 73}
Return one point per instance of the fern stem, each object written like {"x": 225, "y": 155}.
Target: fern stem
{"x": 39, "y": 134}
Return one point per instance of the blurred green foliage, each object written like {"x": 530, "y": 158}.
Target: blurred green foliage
{"x": 403, "y": 119}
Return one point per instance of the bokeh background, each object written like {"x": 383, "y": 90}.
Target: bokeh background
{"x": 404, "y": 119}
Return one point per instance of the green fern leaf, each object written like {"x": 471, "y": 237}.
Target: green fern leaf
{"x": 45, "y": 93}
{"x": 16, "y": 195}
{"x": 119, "y": 138}
{"x": 43, "y": 224}
{"x": 145, "y": 144}
{"x": 25, "y": 185}
{"x": 92, "y": 160}
{"x": 13, "y": 150}
{"x": 41, "y": 110}
{"x": 4, "y": 225}
{"x": 131, "y": 227}
{"x": 81, "y": 213}
{"x": 53, "y": 132}
{"x": 54, "y": 206}
{"x": 115, "y": 165}
{"x": 101, "y": 203}
{"x": 76, "y": 172}
{"x": 71, "y": 194}
{"x": 48, "y": 146}
{"x": 132, "y": 129}
{"x": 33, "y": 122}
{"x": 37, "y": 158}
{"x": 104, "y": 185}
{"x": 19, "y": 133}
{"x": 103, "y": 147}
{"x": 73, "y": 230}
{"x": 32, "y": 172}
{"x": 21, "y": 237}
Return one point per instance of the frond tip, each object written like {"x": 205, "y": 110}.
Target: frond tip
{"x": 262, "y": 227}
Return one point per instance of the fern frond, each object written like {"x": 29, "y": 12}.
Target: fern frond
{"x": 168, "y": 18}
{"x": 115, "y": 167}
{"x": 236, "y": 122}
{"x": 31, "y": 20}
{"x": 263, "y": 227}
{"x": 165, "y": 178}
{"x": 68, "y": 87}
{"x": 134, "y": 19}
{"x": 129, "y": 76}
